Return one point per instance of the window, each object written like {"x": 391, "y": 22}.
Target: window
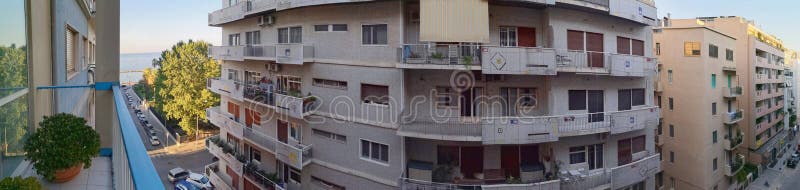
{"x": 671, "y": 157}
{"x": 339, "y": 27}
{"x": 671, "y": 105}
{"x": 630, "y": 97}
{"x": 255, "y": 154}
{"x": 577, "y": 100}
{"x": 658, "y": 48}
{"x": 593, "y": 154}
{"x": 294, "y": 175}
{"x": 333, "y": 84}
{"x": 728, "y": 54}
{"x": 321, "y": 28}
{"x": 288, "y": 84}
{"x": 714, "y": 137}
{"x": 672, "y": 183}
{"x": 658, "y": 101}
{"x": 691, "y": 48}
{"x": 446, "y": 97}
{"x": 669, "y": 76}
{"x": 72, "y": 52}
{"x": 293, "y": 35}
{"x": 330, "y": 28}
{"x": 233, "y": 40}
{"x": 630, "y": 46}
{"x": 252, "y": 38}
{"x": 713, "y": 108}
{"x": 294, "y": 131}
{"x": 659, "y": 179}
{"x": 671, "y": 130}
{"x": 713, "y": 51}
{"x": 375, "y": 94}
{"x": 517, "y": 100}
{"x": 85, "y": 59}
{"x": 374, "y": 34}
{"x": 329, "y": 135}
{"x": 508, "y": 36}
{"x": 233, "y": 75}
{"x": 714, "y": 164}
{"x": 325, "y": 184}
{"x": 713, "y": 81}
{"x": 374, "y": 151}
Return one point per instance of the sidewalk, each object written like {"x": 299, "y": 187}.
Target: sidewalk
{"x": 774, "y": 176}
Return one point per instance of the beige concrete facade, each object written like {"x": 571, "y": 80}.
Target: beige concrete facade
{"x": 756, "y": 65}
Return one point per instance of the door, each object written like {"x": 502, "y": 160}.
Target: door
{"x": 234, "y": 177}
{"x": 471, "y": 161}
{"x": 233, "y": 109}
{"x": 469, "y": 106}
{"x": 729, "y": 80}
{"x": 595, "y": 105}
{"x": 248, "y": 117}
{"x": 509, "y": 160}
{"x": 594, "y": 48}
{"x": 527, "y": 37}
{"x": 283, "y": 131}
{"x": 624, "y": 155}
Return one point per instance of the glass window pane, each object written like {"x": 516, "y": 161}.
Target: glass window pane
{"x": 13, "y": 132}
{"x": 364, "y": 148}
{"x": 13, "y": 85}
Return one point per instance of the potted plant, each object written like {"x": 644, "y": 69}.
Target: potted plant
{"x": 61, "y": 146}
{"x": 29, "y": 183}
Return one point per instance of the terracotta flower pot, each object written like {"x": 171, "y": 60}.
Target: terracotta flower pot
{"x": 68, "y": 174}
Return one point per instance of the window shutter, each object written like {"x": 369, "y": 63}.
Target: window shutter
{"x": 70, "y": 57}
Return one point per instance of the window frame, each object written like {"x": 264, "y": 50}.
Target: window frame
{"x": 71, "y": 54}
{"x": 531, "y": 93}
{"x": 729, "y": 54}
{"x": 323, "y": 83}
{"x": 369, "y": 157}
{"x": 713, "y": 51}
{"x": 374, "y": 39}
{"x": 585, "y": 151}
{"x": 363, "y": 97}
{"x": 508, "y": 41}
{"x": 689, "y": 49}
{"x": 330, "y": 135}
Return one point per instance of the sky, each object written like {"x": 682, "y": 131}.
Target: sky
{"x": 149, "y": 28}
{"x": 155, "y": 25}
{"x": 776, "y": 17}
{"x": 12, "y": 24}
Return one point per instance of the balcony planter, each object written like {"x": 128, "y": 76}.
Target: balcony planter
{"x": 29, "y": 183}
{"x": 62, "y": 146}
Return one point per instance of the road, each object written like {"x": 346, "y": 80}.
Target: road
{"x": 161, "y": 131}
{"x": 191, "y": 156}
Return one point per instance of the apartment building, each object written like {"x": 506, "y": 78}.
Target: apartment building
{"x": 700, "y": 90}
{"x": 790, "y": 93}
{"x": 722, "y": 81}
{"x": 329, "y": 94}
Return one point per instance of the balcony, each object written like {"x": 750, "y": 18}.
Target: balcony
{"x": 295, "y": 54}
{"x": 221, "y": 182}
{"x": 295, "y": 154}
{"x": 635, "y": 172}
{"x": 413, "y": 184}
{"x": 526, "y": 130}
{"x": 259, "y": 52}
{"x": 518, "y": 60}
{"x": 736, "y": 164}
{"x": 604, "y": 63}
{"x": 261, "y": 178}
{"x": 228, "y": 14}
{"x": 131, "y": 167}
{"x": 289, "y": 103}
{"x": 228, "y": 88}
{"x": 659, "y": 86}
{"x": 731, "y": 118}
{"x": 729, "y": 67}
{"x": 453, "y": 57}
{"x": 227, "y": 152}
{"x": 228, "y": 53}
{"x": 224, "y": 121}
{"x": 732, "y": 92}
{"x": 730, "y": 143}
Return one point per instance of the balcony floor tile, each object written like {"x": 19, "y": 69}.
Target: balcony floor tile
{"x": 96, "y": 177}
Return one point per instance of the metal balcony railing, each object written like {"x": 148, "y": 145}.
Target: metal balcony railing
{"x": 733, "y": 117}
{"x": 286, "y": 102}
{"x": 297, "y": 155}
{"x": 733, "y": 141}
{"x": 441, "y": 54}
{"x": 732, "y": 92}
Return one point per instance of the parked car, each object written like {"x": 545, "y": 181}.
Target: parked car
{"x": 152, "y": 132}
{"x": 148, "y": 125}
{"x": 154, "y": 141}
{"x": 176, "y": 174}
{"x": 199, "y": 180}
{"x": 792, "y": 163}
{"x": 184, "y": 185}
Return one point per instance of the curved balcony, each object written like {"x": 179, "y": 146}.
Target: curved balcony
{"x": 730, "y": 143}
{"x": 732, "y": 92}
{"x": 732, "y": 117}
{"x": 228, "y": 14}
{"x": 736, "y": 164}
{"x": 227, "y": 152}
{"x": 526, "y": 130}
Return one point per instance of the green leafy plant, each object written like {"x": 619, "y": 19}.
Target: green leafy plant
{"x": 62, "y": 141}
{"x": 29, "y": 183}
{"x": 437, "y": 55}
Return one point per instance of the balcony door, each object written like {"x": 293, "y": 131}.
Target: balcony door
{"x": 471, "y": 161}
{"x": 470, "y": 107}
{"x": 509, "y": 160}
{"x": 527, "y": 36}
{"x": 233, "y": 109}
{"x": 595, "y": 105}
{"x": 283, "y": 131}
{"x": 590, "y": 42}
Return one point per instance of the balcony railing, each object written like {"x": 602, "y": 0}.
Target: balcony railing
{"x": 282, "y": 102}
{"x": 228, "y": 14}
{"x": 733, "y": 117}
{"x": 733, "y": 141}
{"x": 413, "y": 184}
{"x": 659, "y": 86}
{"x": 233, "y": 53}
{"x": 226, "y": 88}
{"x": 297, "y": 155}
{"x": 295, "y": 54}
{"x": 131, "y": 165}
{"x": 604, "y": 63}
{"x": 513, "y": 130}
{"x": 518, "y": 60}
{"x": 224, "y": 121}
{"x": 635, "y": 172}
{"x": 262, "y": 178}
{"x": 732, "y": 92}
{"x": 736, "y": 164}
{"x": 425, "y": 54}
{"x": 227, "y": 152}
{"x": 221, "y": 182}
{"x": 265, "y": 52}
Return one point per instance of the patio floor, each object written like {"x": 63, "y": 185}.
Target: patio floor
{"x": 96, "y": 177}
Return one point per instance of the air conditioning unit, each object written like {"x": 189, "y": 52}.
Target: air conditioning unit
{"x": 266, "y": 20}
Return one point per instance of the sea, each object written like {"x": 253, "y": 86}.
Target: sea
{"x": 135, "y": 63}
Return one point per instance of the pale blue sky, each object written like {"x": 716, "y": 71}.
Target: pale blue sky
{"x": 154, "y": 25}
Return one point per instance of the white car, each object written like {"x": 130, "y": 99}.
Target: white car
{"x": 199, "y": 180}
{"x": 149, "y": 125}
{"x": 177, "y": 174}
{"x": 154, "y": 141}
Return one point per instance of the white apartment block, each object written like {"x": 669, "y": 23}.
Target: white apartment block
{"x": 427, "y": 94}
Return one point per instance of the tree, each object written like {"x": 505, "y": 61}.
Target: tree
{"x": 14, "y": 114}
{"x": 181, "y": 83}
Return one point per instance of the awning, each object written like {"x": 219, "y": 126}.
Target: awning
{"x": 454, "y": 21}
{"x": 771, "y": 142}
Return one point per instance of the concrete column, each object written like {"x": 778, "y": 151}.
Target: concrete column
{"x": 40, "y": 62}
{"x": 107, "y": 51}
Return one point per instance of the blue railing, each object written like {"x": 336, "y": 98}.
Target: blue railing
{"x": 132, "y": 166}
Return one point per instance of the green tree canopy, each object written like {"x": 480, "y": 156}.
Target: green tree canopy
{"x": 181, "y": 83}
